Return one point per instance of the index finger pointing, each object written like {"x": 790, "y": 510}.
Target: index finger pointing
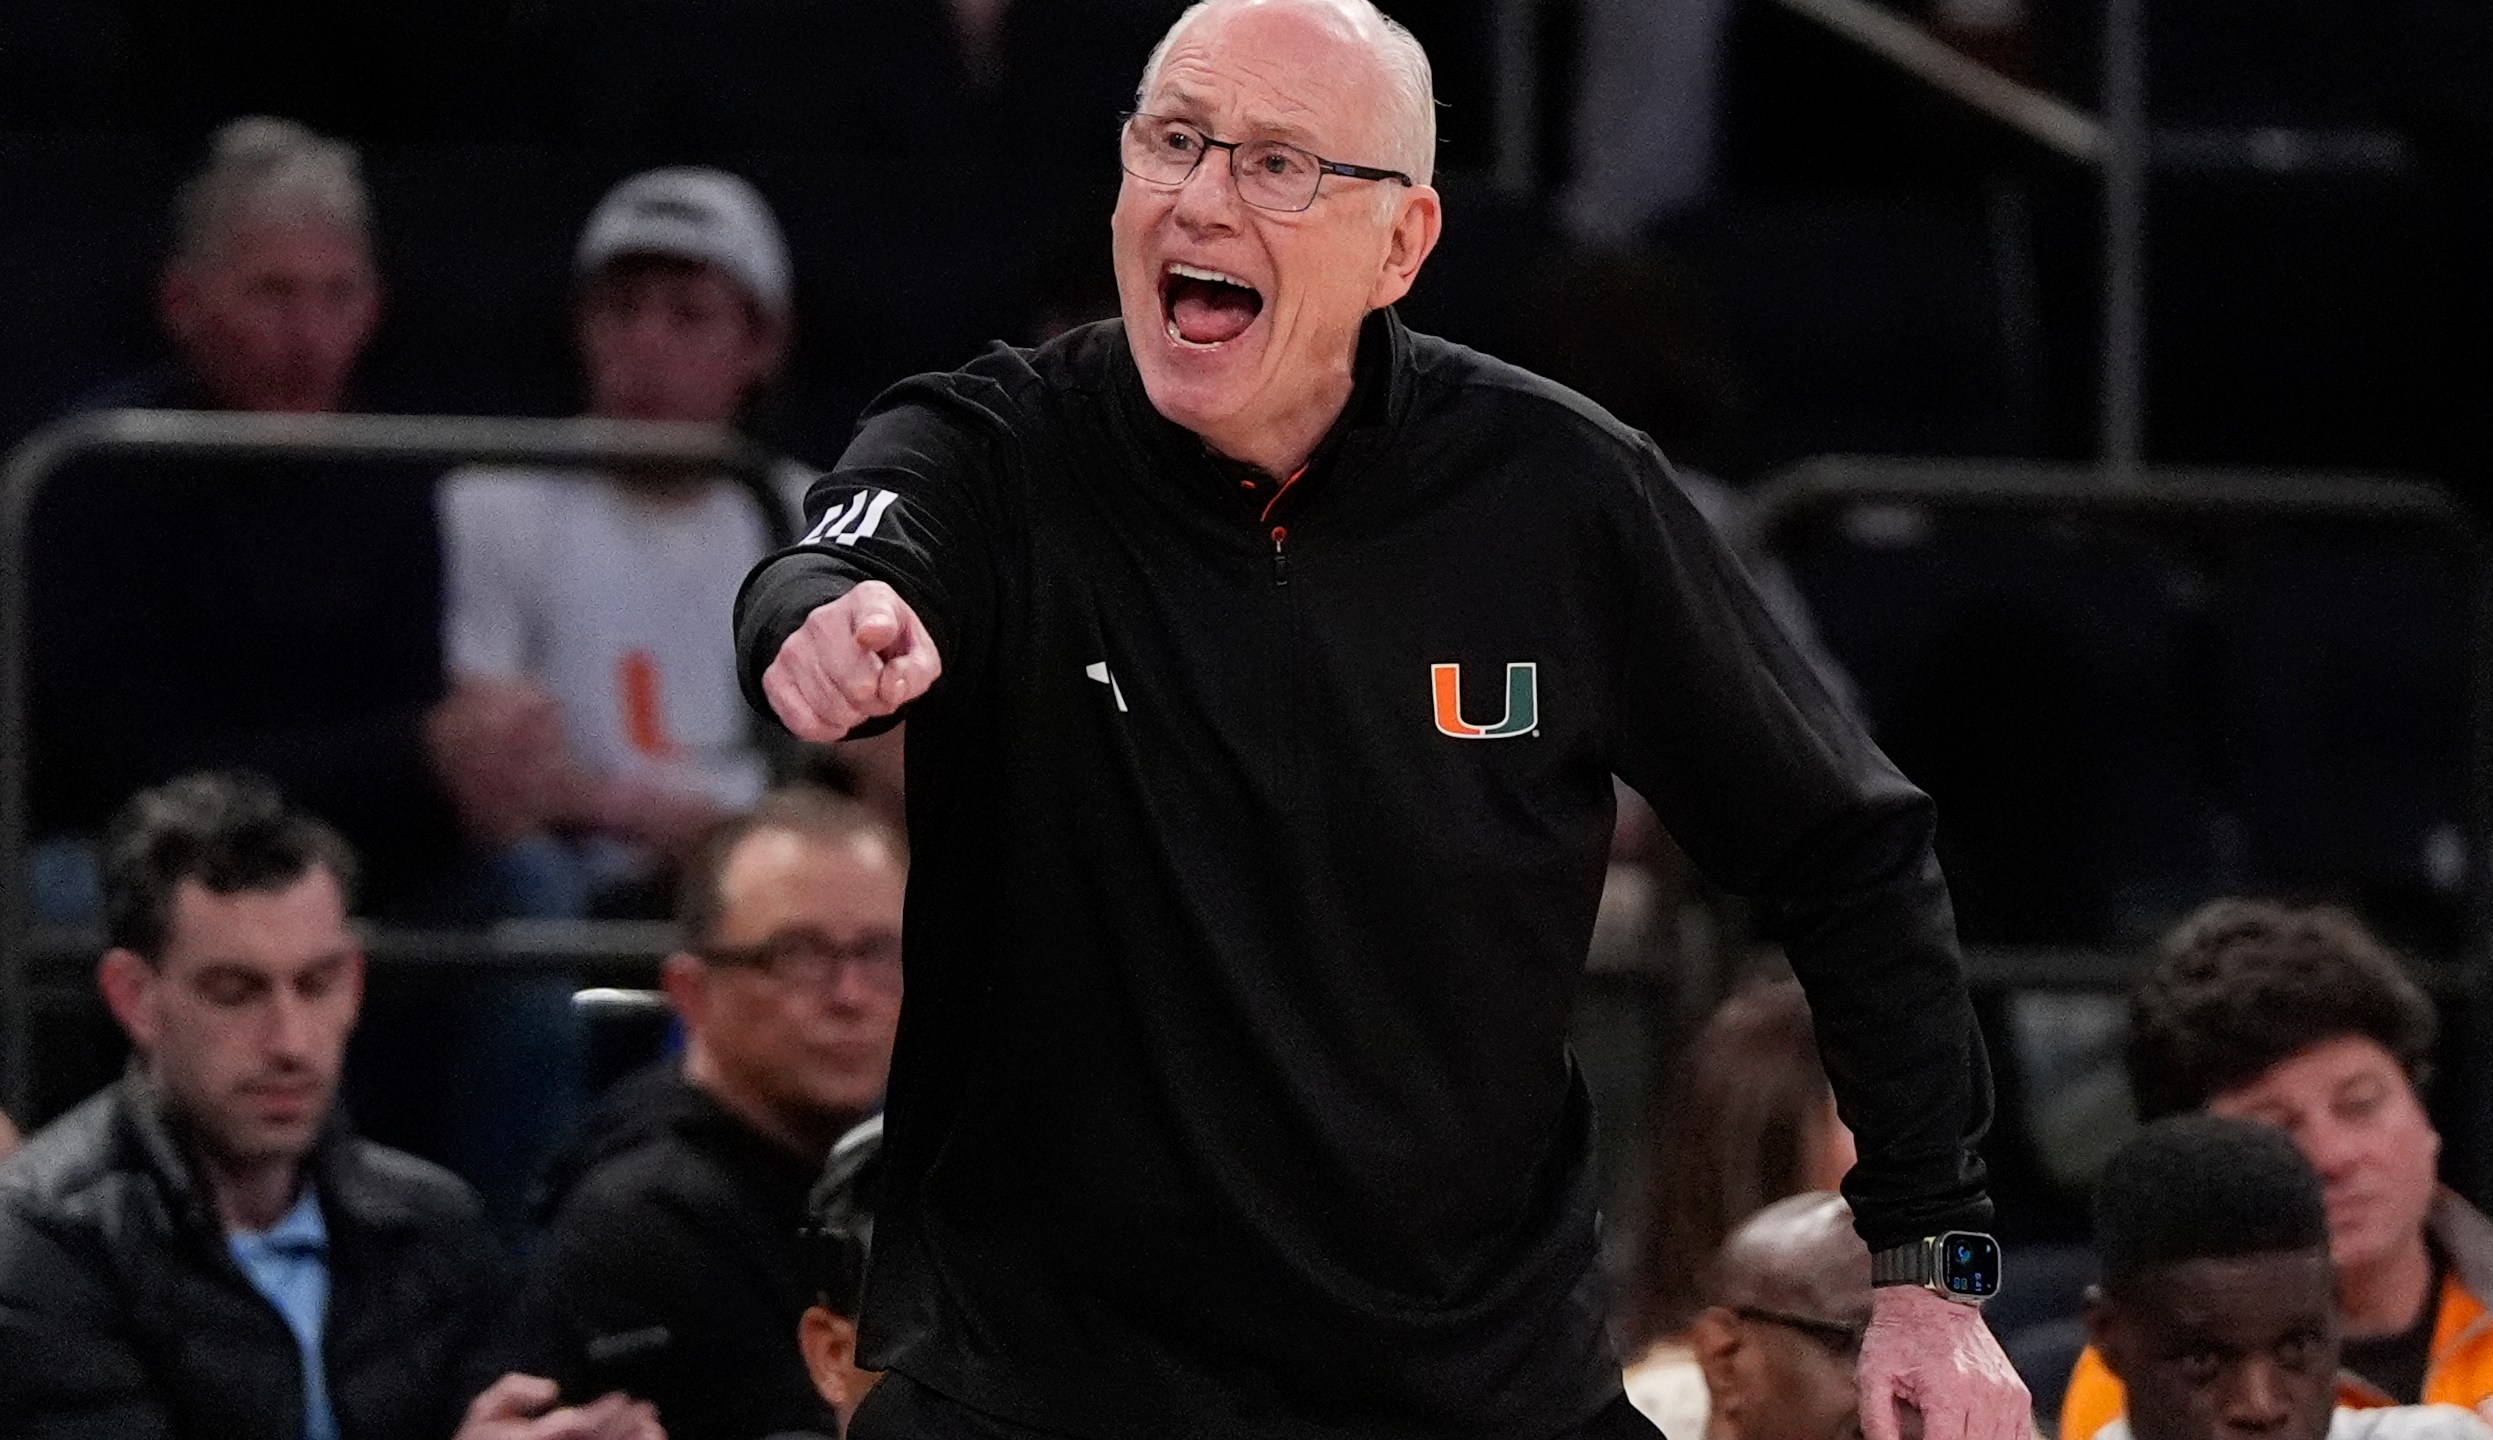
{"x": 876, "y": 624}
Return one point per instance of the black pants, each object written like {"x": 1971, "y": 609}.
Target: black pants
{"x": 902, "y": 1409}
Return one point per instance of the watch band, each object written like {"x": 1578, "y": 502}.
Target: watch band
{"x": 1908, "y": 1264}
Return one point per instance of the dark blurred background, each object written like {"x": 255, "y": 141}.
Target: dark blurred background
{"x": 1867, "y": 265}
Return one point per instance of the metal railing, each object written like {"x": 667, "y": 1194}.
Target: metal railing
{"x": 1830, "y": 482}
{"x": 2120, "y": 144}
{"x": 609, "y": 445}
{"x": 1831, "y": 486}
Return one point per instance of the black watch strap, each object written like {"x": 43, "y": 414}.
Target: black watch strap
{"x": 1906, "y": 1264}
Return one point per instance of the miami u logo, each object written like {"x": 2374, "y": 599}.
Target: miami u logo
{"x": 1523, "y": 703}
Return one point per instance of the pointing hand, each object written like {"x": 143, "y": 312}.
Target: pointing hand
{"x": 863, "y": 655}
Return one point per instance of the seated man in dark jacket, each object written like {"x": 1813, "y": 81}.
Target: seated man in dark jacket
{"x": 673, "y": 1258}
{"x": 202, "y": 1250}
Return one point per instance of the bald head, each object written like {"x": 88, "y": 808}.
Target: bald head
{"x": 1799, "y": 1255}
{"x": 1790, "y": 1293}
{"x": 1406, "y": 122}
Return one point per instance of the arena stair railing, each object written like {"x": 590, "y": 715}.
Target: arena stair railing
{"x": 447, "y": 441}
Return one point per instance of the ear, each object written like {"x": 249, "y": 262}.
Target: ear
{"x": 2103, "y": 1329}
{"x": 768, "y": 346}
{"x": 376, "y": 303}
{"x": 129, "y": 986}
{"x": 178, "y": 302}
{"x": 1715, "y": 1337}
{"x": 1418, "y": 220}
{"x": 353, "y": 980}
{"x": 829, "y": 1344}
{"x": 686, "y": 979}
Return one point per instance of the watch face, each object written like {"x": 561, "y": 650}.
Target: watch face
{"x": 1969, "y": 1264}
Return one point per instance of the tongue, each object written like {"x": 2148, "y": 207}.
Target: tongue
{"x": 1208, "y": 313}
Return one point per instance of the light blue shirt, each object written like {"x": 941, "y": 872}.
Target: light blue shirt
{"x": 289, "y": 1263}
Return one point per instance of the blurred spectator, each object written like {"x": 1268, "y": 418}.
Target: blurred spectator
{"x": 678, "y": 1211}
{"x": 1752, "y": 1121}
{"x": 203, "y": 1248}
{"x": 9, "y": 1137}
{"x": 280, "y": 618}
{"x": 2300, "y": 1019}
{"x": 2217, "y": 1308}
{"x": 1788, "y": 1300}
{"x": 839, "y": 1234}
{"x": 605, "y": 590}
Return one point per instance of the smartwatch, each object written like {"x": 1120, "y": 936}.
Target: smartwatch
{"x": 1962, "y": 1265}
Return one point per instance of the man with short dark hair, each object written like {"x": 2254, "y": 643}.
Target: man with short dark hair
{"x": 2218, "y": 1307}
{"x": 672, "y": 1267}
{"x": 2301, "y": 1019}
{"x": 201, "y": 1250}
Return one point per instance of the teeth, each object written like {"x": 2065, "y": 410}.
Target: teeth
{"x": 1193, "y": 344}
{"x": 1197, "y": 272}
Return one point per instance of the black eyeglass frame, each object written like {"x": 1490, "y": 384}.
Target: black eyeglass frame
{"x": 1836, "y": 1335}
{"x": 1324, "y": 167}
{"x": 773, "y": 957}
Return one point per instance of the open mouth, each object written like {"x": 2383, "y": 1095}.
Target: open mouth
{"x": 1206, "y": 308}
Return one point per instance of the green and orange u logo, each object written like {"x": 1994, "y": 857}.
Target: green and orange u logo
{"x": 1523, "y": 703}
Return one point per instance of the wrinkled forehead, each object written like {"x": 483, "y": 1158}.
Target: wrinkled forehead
{"x": 1280, "y": 71}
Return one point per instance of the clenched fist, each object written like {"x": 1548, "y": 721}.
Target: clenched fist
{"x": 863, "y": 655}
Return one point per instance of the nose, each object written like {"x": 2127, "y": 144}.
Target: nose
{"x": 291, "y": 1028}
{"x": 2333, "y": 1150}
{"x": 851, "y": 993}
{"x": 2258, "y": 1403}
{"x": 1207, "y": 203}
{"x": 644, "y": 328}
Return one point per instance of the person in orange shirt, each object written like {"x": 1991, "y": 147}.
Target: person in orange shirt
{"x": 2300, "y": 1019}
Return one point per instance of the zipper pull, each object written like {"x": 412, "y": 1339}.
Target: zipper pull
{"x": 1280, "y": 557}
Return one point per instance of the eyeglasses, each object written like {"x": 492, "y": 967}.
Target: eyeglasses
{"x": 811, "y": 960}
{"x": 1269, "y": 174}
{"x": 1839, "y": 1337}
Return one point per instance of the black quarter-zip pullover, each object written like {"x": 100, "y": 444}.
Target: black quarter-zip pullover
{"x": 1255, "y": 855}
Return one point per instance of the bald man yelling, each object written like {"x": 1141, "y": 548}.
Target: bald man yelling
{"x": 1266, "y": 665}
